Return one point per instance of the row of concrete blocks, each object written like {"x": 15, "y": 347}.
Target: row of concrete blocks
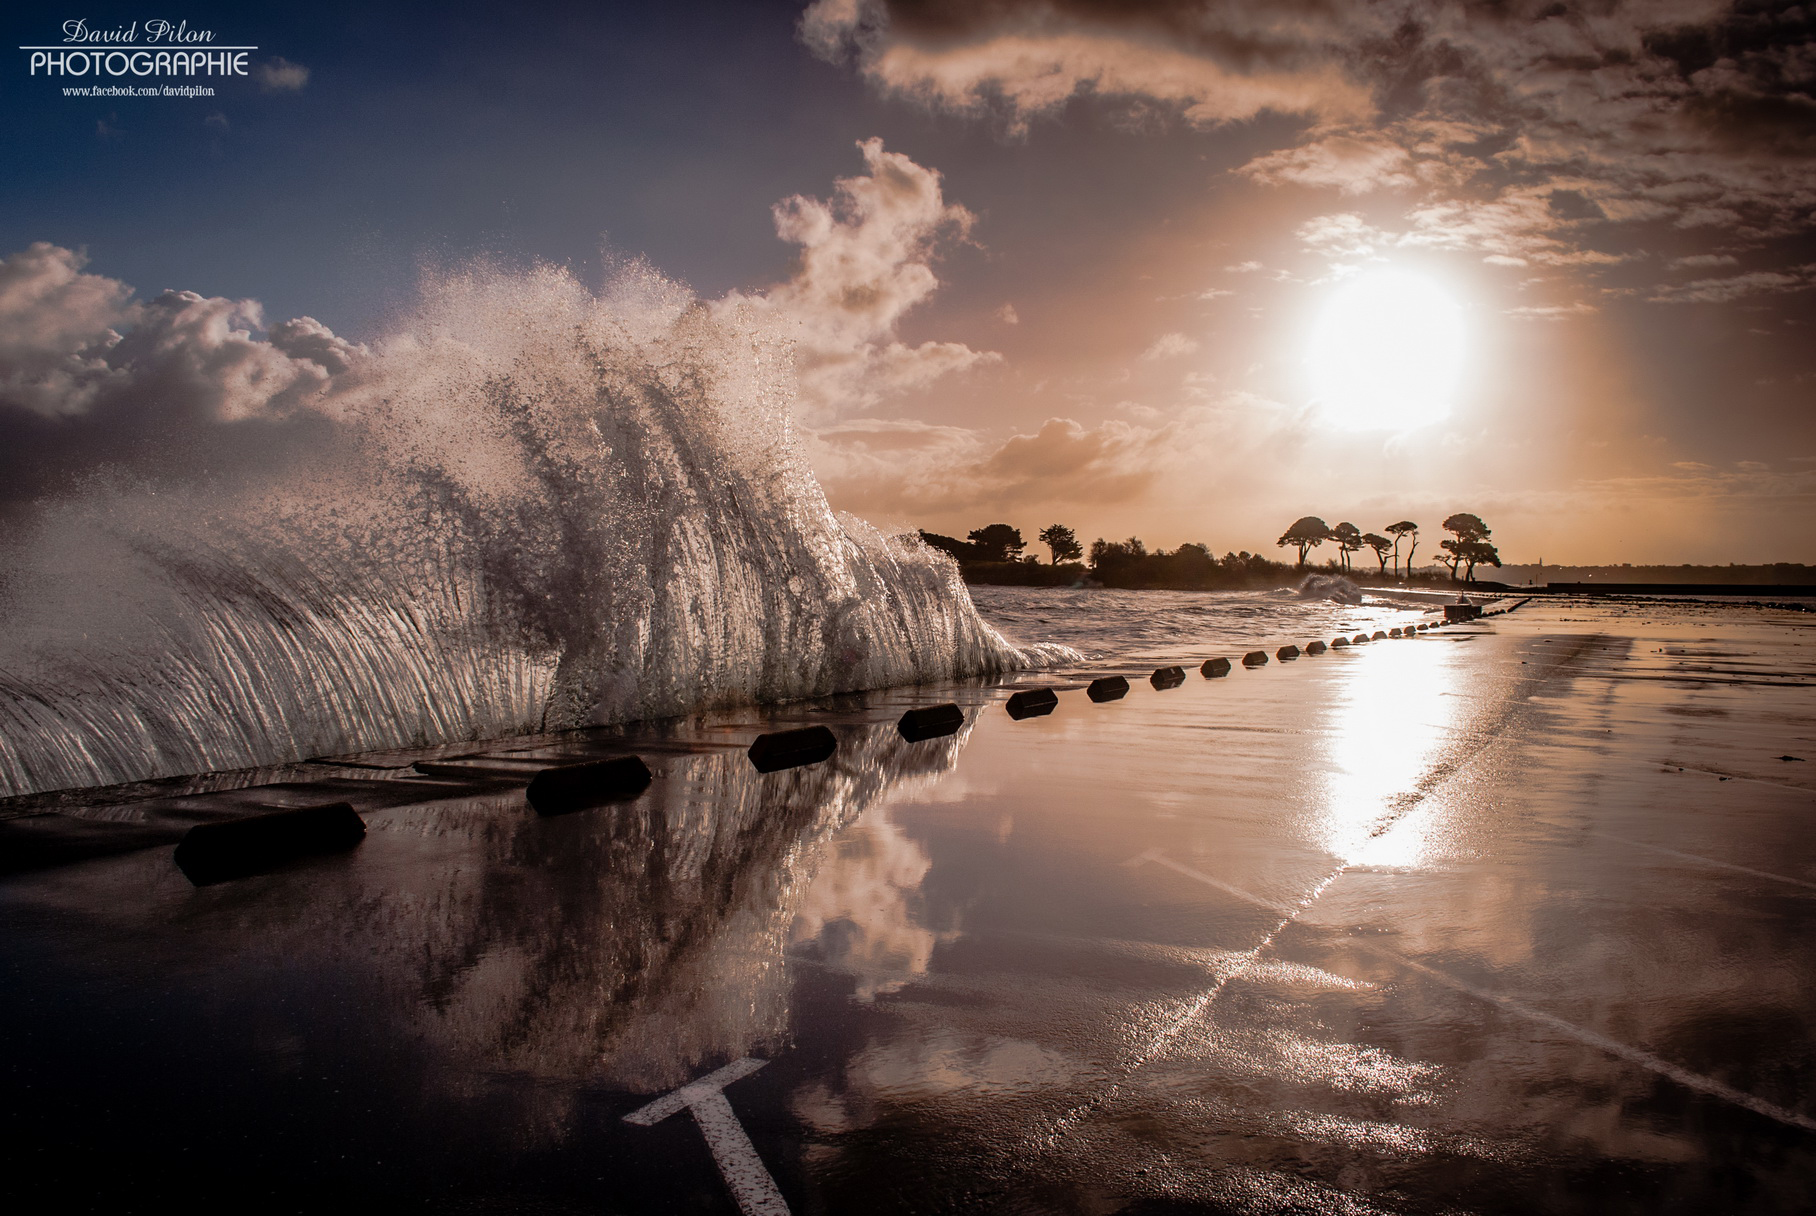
{"x": 256, "y": 844}
{"x": 1038, "y": 702}
{"x": 214, "y": 852}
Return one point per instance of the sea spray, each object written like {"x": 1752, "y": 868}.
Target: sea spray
{"x": 531, "y": 507}
{"x": 1333, "y": 587}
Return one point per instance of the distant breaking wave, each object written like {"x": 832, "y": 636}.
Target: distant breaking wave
{"x": 533, "y": 508}
{"x": 1333, "y": 587}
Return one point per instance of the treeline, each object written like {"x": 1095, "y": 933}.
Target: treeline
{"x": 997, "y": 553}
{"x": 1466, "y": 548}
{"x": 1124, "y": 563}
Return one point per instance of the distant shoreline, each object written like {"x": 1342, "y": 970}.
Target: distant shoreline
{"x": 1075, "y": 574}
{"x": 1781, "y": 578}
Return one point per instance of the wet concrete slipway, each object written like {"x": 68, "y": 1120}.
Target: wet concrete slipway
{"x": 1508, "y": 917}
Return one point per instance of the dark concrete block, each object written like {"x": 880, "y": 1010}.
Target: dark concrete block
{"x": 1215, "y": 667}
{"x": 1422, "y": 627}
{"x": 1314, "y": 648}
{"x": 1338, "y": 643}
{"x": 574, "y": 787}
{"x": 1380, "y": 635}
{"x": 1032, "y": 703}
{"x": 931, "y": 722}
{"x": 1461, "y": 612}
{"x": 782, "y": 749}
{"x": 1255, "y": 658}
{"x": 1286, "y": 652}
{"x": 1359, "y": 639}
{"x": 1109, "y": 688}
{"x": 236, "y": 848}
{"x": 1167, "y": 677}
{"x": 1394, "y": 632}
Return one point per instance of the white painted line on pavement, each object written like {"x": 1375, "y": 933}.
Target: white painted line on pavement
{"x": 1632, "y": 1055}
{"x": 734, "y": 1154}
{"x": 1707, "y": 861}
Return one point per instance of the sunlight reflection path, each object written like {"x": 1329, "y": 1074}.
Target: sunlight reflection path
{"x": 1386, "y": 731}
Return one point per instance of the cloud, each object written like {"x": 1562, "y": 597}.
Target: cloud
{"x": 1552, "y": 312}
{"x": 1526, "y": 130}
{"x": 1704, "y": 261}
{"x": 1025, "y": 60}
{"x": 1514, "y": 229}
{"x": 1734, "y": 287}
{"x": 1007, "y": 315}
{"x": 1344, "y": 163}
{"x": 91, "y": 374}
{"x": 1170, "y": 346}
{"x": 1344, "y": 235}
{"x": 57, "y": 327}
{"x": 1244, "y": 268}
{"x": 914, "y": 471}
{"x": 279, "y": 75}
{"x": 866, "y": 260}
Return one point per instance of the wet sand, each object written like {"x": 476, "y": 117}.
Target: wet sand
{"x": 1511, "y": 917}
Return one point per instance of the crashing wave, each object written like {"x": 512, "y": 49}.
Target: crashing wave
{"x": 531, "y": 508}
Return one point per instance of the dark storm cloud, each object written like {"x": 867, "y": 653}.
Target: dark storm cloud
{"x": 91, "y": 376}
{"x": 1526, "y": 130}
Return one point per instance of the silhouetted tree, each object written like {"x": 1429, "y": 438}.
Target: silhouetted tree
{"x": 1349, "y": 540}
{"x": 998, "y": 543}
{"x": 951, "y": 544}
{"x": 1307, "y": 533}
{"x": 1111, "y": 552}
{"x": 1063, "y": 543}
{"x": 1477, "y": 553}
{"x": 1399, "y": 532}
{"x": 1471, "y": 544}
{"x": 1382, "y": 547}
{"x": 1467, "y": 526}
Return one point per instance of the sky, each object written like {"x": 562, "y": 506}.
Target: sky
{"x": 1181, "y": 270}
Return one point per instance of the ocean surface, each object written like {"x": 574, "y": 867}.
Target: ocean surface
{"x": 1116, "y": 626}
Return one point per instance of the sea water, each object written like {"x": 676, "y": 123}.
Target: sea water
{"x": 1135, "y": 626}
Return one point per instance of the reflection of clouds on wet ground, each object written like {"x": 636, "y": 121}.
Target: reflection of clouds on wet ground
{"x": 929, "y": 1065}
{"x": 625, "y": 945}
{"x": 1286, "y": 941}
{"x": 859, "y": 914}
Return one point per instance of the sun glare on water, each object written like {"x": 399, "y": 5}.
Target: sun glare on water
{"x": 1387, "y": 352}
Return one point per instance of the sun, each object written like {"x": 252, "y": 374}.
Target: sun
{"x": 1387, "y": 352}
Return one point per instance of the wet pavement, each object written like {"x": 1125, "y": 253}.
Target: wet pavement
{"x": 1511, "y": 917}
